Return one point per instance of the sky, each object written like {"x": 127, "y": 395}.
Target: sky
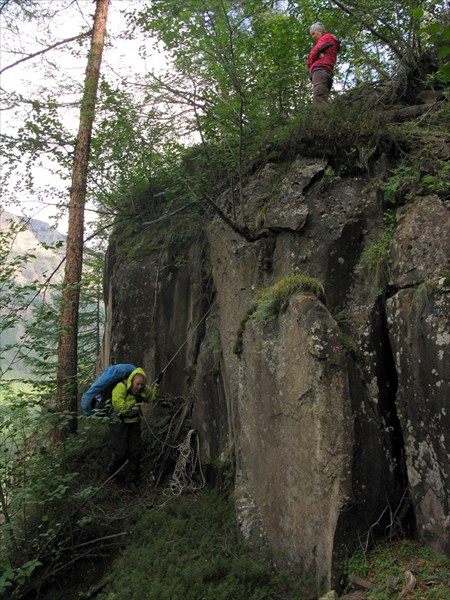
{"x": 35, "y": 77}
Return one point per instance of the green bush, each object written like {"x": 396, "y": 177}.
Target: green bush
{"x": 270, "y": 301}
{"x": 438, "y": 182}
{"x": 397, "y": 188}
{"x": 377, "y": 255}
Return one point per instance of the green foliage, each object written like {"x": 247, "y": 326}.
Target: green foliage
{"x": 397, "y": 189}
{"x": 43, "y": 489}
{"x": 351, "y": 137}
{"x": 18, "y": 575}
{"x": 236, "y": 69}
{"x": 385, "y": 568}
{"x": 37, "y": 347}
{"x": 269, "y": 302}
{"x": 378, "y": 36}
{"x": 330, "y": 176}
{"x": 190, "y": 549}
{"x": 438, "y": 183}
{"x": 437, "y": 33}
{"x": 424, "y": 167}
{"x": 377, "y": 255}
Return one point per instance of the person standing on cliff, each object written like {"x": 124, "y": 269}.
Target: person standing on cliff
{"x": 125, "y": 425}
{"x": 321, "y": 62}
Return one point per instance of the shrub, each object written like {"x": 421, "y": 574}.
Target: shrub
{"x": 385, "y": 567}
{"x": 377, "y": 255}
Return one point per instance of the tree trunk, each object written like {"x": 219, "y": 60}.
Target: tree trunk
{"x": 66, "y": 398}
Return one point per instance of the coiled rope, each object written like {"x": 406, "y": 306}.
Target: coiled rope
{"x": 187, "y": 474}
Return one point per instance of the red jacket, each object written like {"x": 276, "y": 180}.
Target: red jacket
{"x": 328, "y": 45}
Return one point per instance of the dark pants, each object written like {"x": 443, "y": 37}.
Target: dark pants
{"x": 322, "y": 82}
{"x": 126, "y": 445}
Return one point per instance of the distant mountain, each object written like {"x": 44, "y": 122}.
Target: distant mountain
{"x": 45, "y": 263}
{"x": 30, "y": 240}
{"x": 44, "y": 232}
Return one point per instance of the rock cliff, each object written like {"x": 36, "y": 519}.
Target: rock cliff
{"x": 334, "y": 411}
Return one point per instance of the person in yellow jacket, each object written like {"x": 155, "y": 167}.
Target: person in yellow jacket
{"x": 125, "y": 425}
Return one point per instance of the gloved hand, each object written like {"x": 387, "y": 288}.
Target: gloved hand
{"x": 159, "y": 378}
{"x": 134, "y": 411}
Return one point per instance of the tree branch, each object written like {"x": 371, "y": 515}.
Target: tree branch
{"x": 373, "y": 31}
{"x": 242, "y": 231}
{"x": 30, "y": 56}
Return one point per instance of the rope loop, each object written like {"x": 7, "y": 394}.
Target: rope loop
{"x": 187, "y": 474}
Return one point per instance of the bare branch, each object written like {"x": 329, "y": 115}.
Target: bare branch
{"x": 167, "y": 216}
{"x": 61, "y": 43}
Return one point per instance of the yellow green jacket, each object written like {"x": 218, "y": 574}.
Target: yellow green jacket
{"x": 126, "y": 406}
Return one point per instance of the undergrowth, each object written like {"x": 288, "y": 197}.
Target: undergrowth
{"x": 385, "y": 567}
{"x": 190, "y": 548}
{"x": 270, "y": 301}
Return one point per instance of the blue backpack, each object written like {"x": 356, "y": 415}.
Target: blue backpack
{"x": 97, "y": 399}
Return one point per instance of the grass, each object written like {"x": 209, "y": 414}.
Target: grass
{"x": 377, "y": 255}
{"x": 188, "y": 549}
{"x": 385, "y": 567}
{"x": 269, "y": 302}
{"x": 150, "y": 545}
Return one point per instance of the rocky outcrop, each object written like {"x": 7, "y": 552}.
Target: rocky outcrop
{"x": 296, "y": 433}
{"x": 419, "y": 330}
{"x": 32, "y": 238}
{"x": 334, "y": 414}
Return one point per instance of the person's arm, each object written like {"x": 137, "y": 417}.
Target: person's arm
{"x": 322, "y": 49}
{"x": 121, "y": 401}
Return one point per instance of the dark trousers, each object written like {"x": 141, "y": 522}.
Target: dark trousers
{"x": 322, "y": 82}
{"x": 126, "y": 445}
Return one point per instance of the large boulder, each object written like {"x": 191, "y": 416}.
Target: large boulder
{"x": 419, "y": 326}
{"x": 296, "y": 437}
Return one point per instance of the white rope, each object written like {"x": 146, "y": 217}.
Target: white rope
{"x": 187, "y": 474}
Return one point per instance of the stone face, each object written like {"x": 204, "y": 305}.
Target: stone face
{"x": 336, "y": 414}
{"x": 419, "y": 331}
{"x": 288, "y": 209}
{"x": 420, "y": 248}
{"x": 296, "y": 434}
{"x": 419, "y": 328}
{"x": 155, "y": 316}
